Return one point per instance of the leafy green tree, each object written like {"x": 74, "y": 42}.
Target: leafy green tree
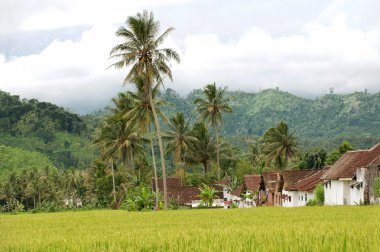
{"x": 141, "y": 51}
{"x": 336, "y": 154}
{"x": 280, "y": 145}
{"x": 314, "y": 159}
{"x": 207, "y": 194}
{"x": 319, "y": 193}
{"x": 202, "y": 151}
{"x": 179, "y": 138}
{"x": 211, "y": 109}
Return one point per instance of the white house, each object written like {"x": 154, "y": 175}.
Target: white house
{"x": 347, "y": 182}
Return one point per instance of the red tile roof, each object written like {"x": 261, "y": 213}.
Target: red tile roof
{"x": 309, "y": 183}
{"x": 182, "y": 194}
{"x": 252, "y": 182}
{"x": 271, "y": 181}
{"x": 238, "y": 190}
{"x": 346, "y": 166}
{"x": 292, "y": 177}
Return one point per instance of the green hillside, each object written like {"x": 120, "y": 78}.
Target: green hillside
{"x": 323, "y": 122}
{"x": 60, "y": 135}
{"x": 16, "y": 159}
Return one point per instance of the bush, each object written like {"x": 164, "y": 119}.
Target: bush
{"x": 377, "y": 187}
{"x": 312, "y": 202}
{"x": 319, "y": 193}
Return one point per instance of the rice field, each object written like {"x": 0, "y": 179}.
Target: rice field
{"x": 257, "y": 229}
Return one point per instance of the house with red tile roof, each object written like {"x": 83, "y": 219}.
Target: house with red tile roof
{"x": 298, "y": 193}
{"x": 350, "y": 180}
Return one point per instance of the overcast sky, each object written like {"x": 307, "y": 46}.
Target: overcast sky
{"x": 58, "y": 51}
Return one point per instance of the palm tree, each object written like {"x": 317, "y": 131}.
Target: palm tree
{"x": 207, "y": 194}
{"x": 203, "y": 149}
{"x": 141, "y": 51}
{"x": 141, "y": 113}
{"x": 179, "y": 138}
{"x": 211, "y": 109}
{"x": 280, "y": 145}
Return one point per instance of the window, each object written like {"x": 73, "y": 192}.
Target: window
{"x": 290, "y": 198}
{"x": 302, "y": 198}
{"x": 305, "y": 197}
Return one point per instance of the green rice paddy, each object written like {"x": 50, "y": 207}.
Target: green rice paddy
{"x": 257, "y": 229}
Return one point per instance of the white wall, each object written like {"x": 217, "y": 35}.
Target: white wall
{"x": 293, "y": 198}
{"x": 337, "y": 192}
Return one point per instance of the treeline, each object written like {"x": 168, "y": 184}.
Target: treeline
{"x": 31, "y": 117}
{"x": 44, "y": 127}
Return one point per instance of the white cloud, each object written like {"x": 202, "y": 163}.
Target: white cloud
{"x": 328, "y": 52}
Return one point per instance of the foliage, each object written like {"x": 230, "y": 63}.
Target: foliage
{"x": 319, "y": 193}
{"x": 15, "y": 159}
{"x": 139, "y": 199}
{"x": 207, "y": 194}
{"x": 279, "y": 145}
{"x": 314, "y": 159}
{"x": 377, "y": 187}
{"x": 336, "y": 154}
{"x": 212, "y": 229}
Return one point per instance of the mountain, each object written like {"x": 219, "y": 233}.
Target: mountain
{"x": 322, "y": 122}
{"x": 58, "y": 134}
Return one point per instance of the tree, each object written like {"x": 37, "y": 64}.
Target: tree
{"x": 141, "y": 51}
{"x": 336, "y": 154}
{"x": 314, "y": 159}
{"x": 280, "y": 145}
{"x": 179, "y": 138}
{"x": 211, "y": 109}
{"x": 202, "y": 151}
{"x": 207, "y": 194}
{"x": 141, "y": 113}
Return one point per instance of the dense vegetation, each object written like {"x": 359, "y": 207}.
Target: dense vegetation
{"x": 203, "y": 137}
{"x": 46, "y": 128}
{"x": 323, "y": 122}
{"x": 256, "y": 229}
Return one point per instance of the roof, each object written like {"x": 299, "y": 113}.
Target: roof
{"x": 238, "y": 190}
{"x": 183, "y": 194}
{"x": 292, "y": 177}
{"x": 271, "y": 180}
{"x": 346, "y": 166}
{"x": 252, "y": 182}
{"x": 309, "y": 183}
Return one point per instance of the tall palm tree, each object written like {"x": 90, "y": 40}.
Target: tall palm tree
{"x": 141, "y": 113}
{"x": 280, "y": 145}
{"x": 202, "y": 151}
{"x": 211, "y": 109}
{"x": 179, "y": 138}
{"x": 141, "y": 50}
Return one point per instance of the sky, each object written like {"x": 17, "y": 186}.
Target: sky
{"x": 58, "y": 51}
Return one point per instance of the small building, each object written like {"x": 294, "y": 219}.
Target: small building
{"x": 350, "y": 180}
{"x": 183, "y": 194}
{"x": 299, "y": 193}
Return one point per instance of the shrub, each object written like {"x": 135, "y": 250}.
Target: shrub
{"x": 319, "y": 193}
{"x": 377, "y": 187}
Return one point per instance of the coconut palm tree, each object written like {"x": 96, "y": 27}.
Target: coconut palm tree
{"x": 141, "y": 50}
{"x": 141, "y": 114}
{"x": 179, "y": 138}
{"x": 280, "y": 145}
{"x": 202, "y": 151}
{"x": 211, "y": 109}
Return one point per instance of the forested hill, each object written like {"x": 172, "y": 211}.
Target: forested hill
{"x": 324, "y": 121}
{"x": 58, "y": 134}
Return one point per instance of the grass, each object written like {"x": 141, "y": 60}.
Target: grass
{"x": 256, "y": 229}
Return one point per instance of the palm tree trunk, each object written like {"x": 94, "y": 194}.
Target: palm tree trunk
{"x": 113, "y": 182}
{"x": 158, "y": 131}
{"x": 217, "y": 149}
{"x": 155, "y": 171}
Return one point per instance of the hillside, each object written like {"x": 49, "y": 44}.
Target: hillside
{"x": 324, "y": 121}
{"x": 60, "y": 135}
{"x": 16, "y": 159}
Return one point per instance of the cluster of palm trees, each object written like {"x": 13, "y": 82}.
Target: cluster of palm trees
{"x": 148, "y": 66}
{"x": 33, "y": 188}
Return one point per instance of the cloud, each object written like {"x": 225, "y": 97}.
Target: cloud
{"x": 327, "y": 52}
{"x": 308, "y": 64}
